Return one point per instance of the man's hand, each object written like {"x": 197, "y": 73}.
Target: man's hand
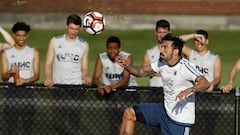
{"x": 87, "y": 80}
{"x": 48, "y": 83}
{"x": 121, "y": 61}
{"x": 183, "y": 94}
{"x": 227, "y": 88}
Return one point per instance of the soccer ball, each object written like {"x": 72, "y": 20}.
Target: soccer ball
{"x": 93, "y": 23}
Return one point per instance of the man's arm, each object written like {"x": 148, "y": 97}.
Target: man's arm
{"x": 85, "y": 61}
{"x": 6, "y": 73}
{"x": 8, "y": 38}
{"x": 135, "y": 70}
{"x": 217, "y": 74}
{"x": 97, "y": 72}
{"x": 202, "y": 84}
{"x": 233, "y": 72}
{"x": 187, "y": 50}
{"x": 97, "y": 75}
{"x": 146, "y": 59}
{"x": 36, "y": 70}
{"x": 140, "y": 71}
{"x": 48, "y": 64}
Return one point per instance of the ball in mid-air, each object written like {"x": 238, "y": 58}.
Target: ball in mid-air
{"x": 93, "y": 23}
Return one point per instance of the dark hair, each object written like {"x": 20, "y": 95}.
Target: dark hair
{"x": 177, "y": 42}
{"x": 162, "y": 23}
{"x": 21, "y": 26}
{"x": 75, "y": 19}
{"x": 202, "y": 32}
{"x": 114, "y": 39}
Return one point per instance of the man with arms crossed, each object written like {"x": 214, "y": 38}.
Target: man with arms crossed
{"x": 177, "y": 115}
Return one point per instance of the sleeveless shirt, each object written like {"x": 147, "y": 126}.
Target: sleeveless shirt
{"x": 67, "y": 65}
{"x": 154, "y": 55}
{"x": 205, "y": 64}
{"x": 113, "y": 72}
{"x": 23, "y": 59}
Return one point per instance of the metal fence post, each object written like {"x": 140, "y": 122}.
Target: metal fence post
{"x": 237, "y": 94}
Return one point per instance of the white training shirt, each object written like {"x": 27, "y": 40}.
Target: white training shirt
{"x": 204, "y": 64}
{"x": 176, "y": 79}
{"x": 154, "y": 55}
{"x": 23, "y": 59}
{"x": 112, "y": 72}
{"x": 67, "y": 65}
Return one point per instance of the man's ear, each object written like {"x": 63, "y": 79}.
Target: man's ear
{"x": 207, "y": 41}
{"x": 176, "y": 51}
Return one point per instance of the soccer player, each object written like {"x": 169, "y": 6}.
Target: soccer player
{"x": 67, "y": 63}
{"x": 177, "y": 115}
{"x": 21, "y": 58}
{"x": 206, "y": 61}
{"x": 109, "y": 75}
{"x": 8, "y": 38}
{"x": 152, "y": 55}
{"x": 67, "y": 56}
{"x": 210, "y": 65}
{"x": 232, "y": 74}
{"x": 112, "y": 75}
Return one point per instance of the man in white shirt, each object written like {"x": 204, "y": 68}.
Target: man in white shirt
{"x": 177, "y": 115}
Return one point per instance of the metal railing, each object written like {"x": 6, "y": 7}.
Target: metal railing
{"x": 80, "y": 110}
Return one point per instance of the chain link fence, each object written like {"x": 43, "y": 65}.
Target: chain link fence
{"x": 79, "y": 110}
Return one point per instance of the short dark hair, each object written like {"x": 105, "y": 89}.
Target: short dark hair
{"x": 202, "y": 32}
{"x": 21, "y": 26}
{"x": 162, "y": 23}
{"x": 75, "y": 19}
{"x": 177, "y": 42}
{"x": 114, "y": 39}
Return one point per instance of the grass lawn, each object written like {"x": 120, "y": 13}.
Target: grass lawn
{"x": 224, "y": 43}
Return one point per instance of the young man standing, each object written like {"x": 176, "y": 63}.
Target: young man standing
{"x": 112, "y": 75}
{"x": 177, "y": 115}
{"x": 67, "y": 63}
{"x": 67, "y": 56}
{"x": 109, "y": 76}
{"x": 21, "y": 58}
{"x": 152, "y": 55}
{"x": 206, "y": 61}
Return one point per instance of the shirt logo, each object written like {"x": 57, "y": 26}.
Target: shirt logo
{"x": 114, "y": 76}
{"x": 68, "y": 57}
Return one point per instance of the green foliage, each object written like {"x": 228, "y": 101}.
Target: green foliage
{"x": 224, "y": 43}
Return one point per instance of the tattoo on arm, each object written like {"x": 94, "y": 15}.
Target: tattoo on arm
{"x": 201, "y": 84}
{"x": 140, "y": 71}
{"x": 199, "y": 89}
{"x": 125, "y": 133}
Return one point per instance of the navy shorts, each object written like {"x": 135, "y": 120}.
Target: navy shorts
{"x": 154, "y": 115}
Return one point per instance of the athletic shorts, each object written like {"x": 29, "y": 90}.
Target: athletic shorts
{"x": 154, "y": 115}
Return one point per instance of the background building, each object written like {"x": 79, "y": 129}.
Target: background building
{"x": 129, "y": 14}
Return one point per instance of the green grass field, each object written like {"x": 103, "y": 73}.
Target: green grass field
{"x": 225, "y": 43}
